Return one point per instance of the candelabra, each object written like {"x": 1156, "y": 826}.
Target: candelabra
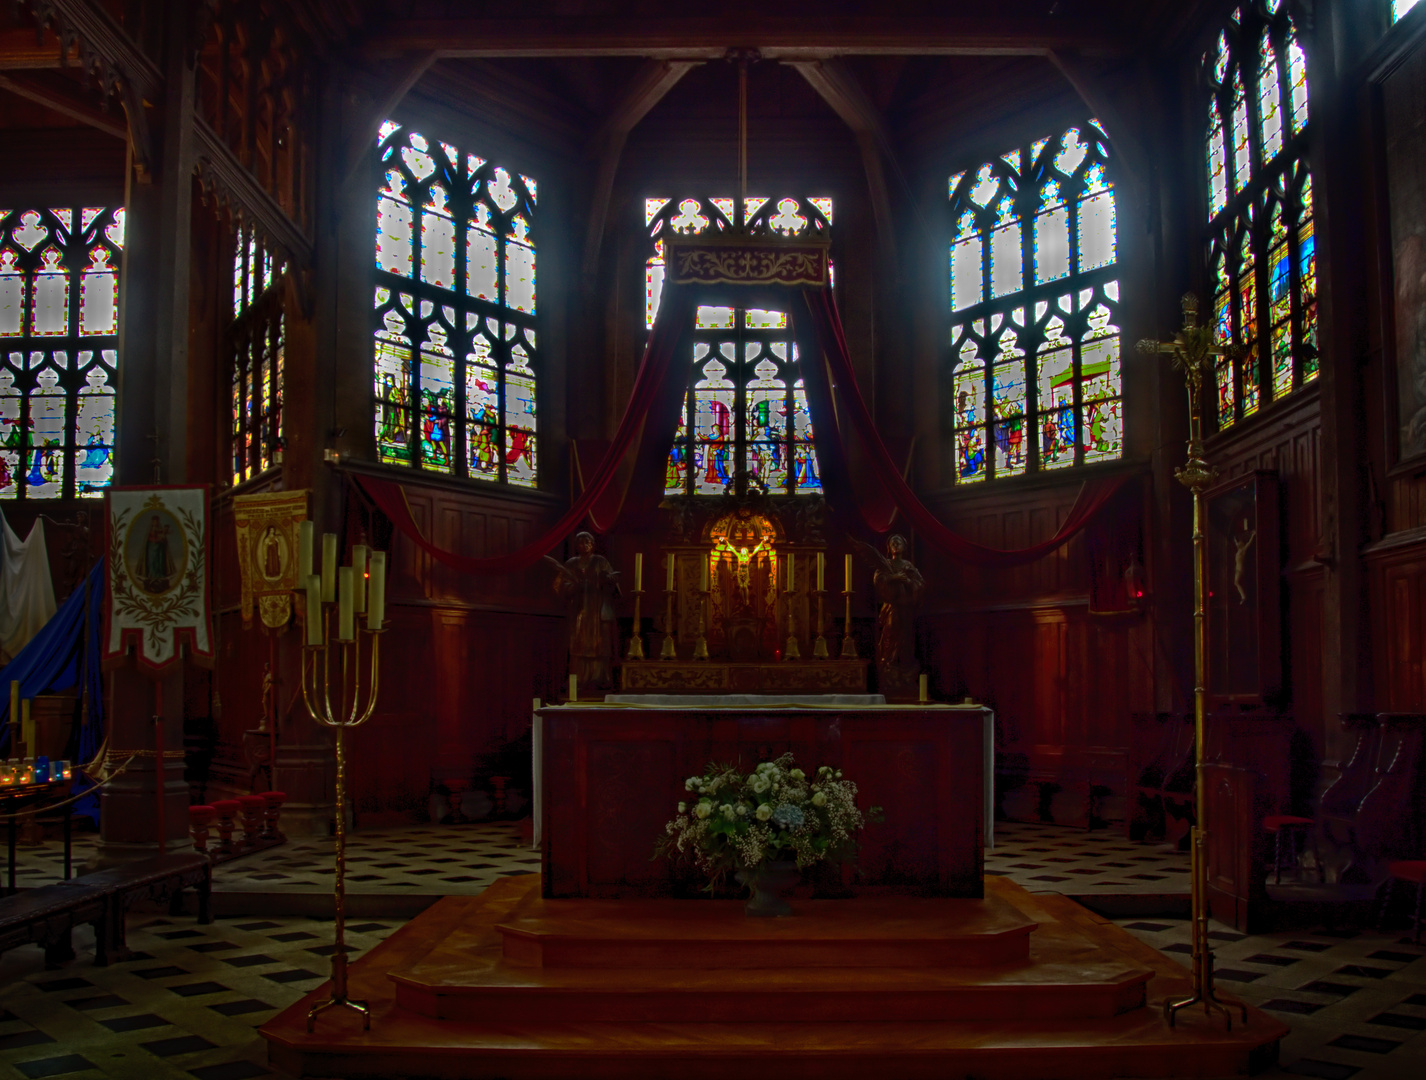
{"x": 819, "y": 646}
{"x": 791, "y": 651}
{"x": 1192, "y": 351}
{"x": 636, "y": 643}
{"x": 332, "y": 690}
{"x": 849, "y": 644}
{"x": 700, "y": 645}
{"x": 668, "y": 651}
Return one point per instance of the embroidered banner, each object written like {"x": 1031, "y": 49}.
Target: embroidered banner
{"x": 742, "y": 260}
{"x": 267, "y": 552}
{"x": 158, "y": 575}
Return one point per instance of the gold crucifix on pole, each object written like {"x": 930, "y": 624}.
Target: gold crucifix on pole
{"x": 1193, "y": 351}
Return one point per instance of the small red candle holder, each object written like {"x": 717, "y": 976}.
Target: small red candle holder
{"x": 272, "y": 809}
{"x": 227, "y": 810}
{"x": 254, "y": 809}
{"x": 198, "y": 819}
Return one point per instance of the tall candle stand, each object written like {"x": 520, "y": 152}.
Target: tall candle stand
{"x": 819, "y": 647}
{"x": 668, "y": 651}
{"x": 332, "y": 690}
{"x": 700, "y": 646}
{"x": 849, "y": 644}
{"x": 791, "y": 651}
{"x": 1193, "y": 351}
{"x": 636, "y": 643}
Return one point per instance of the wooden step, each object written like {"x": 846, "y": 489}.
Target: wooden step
{"x": 499, "y": 993}
{"x": 886, "y": 932}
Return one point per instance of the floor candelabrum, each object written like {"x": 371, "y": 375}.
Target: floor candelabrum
{"x": 340, "y": 683}
{"x": 669, "y": 651}
{"x": 791, "y": 651}
{"x": 1194, "y": 352}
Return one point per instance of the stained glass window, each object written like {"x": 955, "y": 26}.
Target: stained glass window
{"x": 745, "y": 421}
{"x": 59, "y": 309}
{"x": 455, "y": 360}
{"x": 257, "y": 340}
{"x": 1261, "y": 255}
{"x": 1400, "y": 8}
{"x": 1034, "y": 365}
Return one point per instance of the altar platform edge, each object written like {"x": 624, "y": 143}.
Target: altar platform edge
{"x": 527, "y": 1027}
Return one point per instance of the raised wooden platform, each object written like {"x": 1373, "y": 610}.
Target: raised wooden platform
{"x": 507, "y": 984}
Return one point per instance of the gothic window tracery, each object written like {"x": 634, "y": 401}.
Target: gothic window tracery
{"x": 59, "y": 309}
{"x": 456, "y": 355}
{"x": 1034, "y": 364}
{"x": 745, "y": 417}
{"x": 1262, "y": 261}
{"x": 257, "y": 340}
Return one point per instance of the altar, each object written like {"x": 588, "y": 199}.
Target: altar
{"x": 612, "y": 773}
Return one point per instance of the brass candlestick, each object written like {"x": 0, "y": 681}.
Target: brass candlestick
{"x": 668, "y": 651}
{"x": 1193, "y": 351}
{"x": 334, "y": 698}
{"x": 849, "y": 645}
{"x": 791, "y": 651}
{"x": 700, "y": 645}
{"x": 636, "y": 643}
{"x": 819, "y": 647}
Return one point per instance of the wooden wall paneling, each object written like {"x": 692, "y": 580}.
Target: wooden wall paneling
{"x": 1396, "y": 572}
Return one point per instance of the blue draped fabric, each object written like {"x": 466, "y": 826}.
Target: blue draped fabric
{"x": 61, "y": 657}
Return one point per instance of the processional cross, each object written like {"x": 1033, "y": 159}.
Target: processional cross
{"x": 1193, "y": 351}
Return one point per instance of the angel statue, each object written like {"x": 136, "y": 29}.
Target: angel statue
{"x": 588, "y": 585}
{"x": 899, "y": 586}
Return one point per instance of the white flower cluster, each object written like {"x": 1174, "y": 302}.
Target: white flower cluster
{"x": 738, "y": 821}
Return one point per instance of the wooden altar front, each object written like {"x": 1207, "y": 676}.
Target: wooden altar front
{"x": 613, "y": 775}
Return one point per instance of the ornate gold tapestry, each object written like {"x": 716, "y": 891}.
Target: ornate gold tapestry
{"x": 744, "y": 260}
{"x": 158, "y": 575}
{"x": 267, "y": 552}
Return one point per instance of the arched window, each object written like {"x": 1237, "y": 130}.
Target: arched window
{"x": 59, "y": 325}
{"x": 1034, "y": 361}
{"x": 257, "y": 341}
{"x": 745, "y": 418}
{"x": 455, "y": 331}
{"x": 1261, "y": 252}
{"x": 1400, "y": 8}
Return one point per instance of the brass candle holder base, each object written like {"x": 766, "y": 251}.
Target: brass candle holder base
{"x": 819, "y": 646}
{"x": 700, "y": 645}
{"x": 849, "y": 644}
{"x": 636, "y": 642}
{"x": 668, "y": 651}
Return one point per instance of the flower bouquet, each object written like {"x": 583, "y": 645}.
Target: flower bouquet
{"x": 765, "y": 826}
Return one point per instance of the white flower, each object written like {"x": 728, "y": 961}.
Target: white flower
{"x": 726, "y": 811}
{"x": 764, "y": 812}
{"x": 683, "y": 808}
{"x": 797, "y": 774}
{"x": 702, "y": 810}
{"x": 819, "y": 799}
{"x": 690, "y": 783}
{"x": 743, "y": 809}
{"x": 760, "y": 784}
{"x": 766, "y": 766}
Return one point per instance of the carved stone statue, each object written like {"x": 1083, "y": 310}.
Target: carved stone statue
{"x": 899, "y": 587}
{"x": 588, "y": 585}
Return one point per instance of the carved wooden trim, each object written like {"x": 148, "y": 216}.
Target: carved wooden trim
{"x": 225, "y": 178}
{"x": 102, "y": 44}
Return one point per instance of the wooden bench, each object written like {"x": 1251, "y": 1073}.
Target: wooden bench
{"x": 46, "y": 916}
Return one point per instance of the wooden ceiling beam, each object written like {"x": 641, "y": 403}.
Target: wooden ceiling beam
{"x": 775, "y": 37}
{"x": 839, "y": 88}
{"x": 645, "y": 90}
{"x": 66, "y": 102}
{"x": 20, "y": 51}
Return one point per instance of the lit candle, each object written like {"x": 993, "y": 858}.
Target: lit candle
{"x": 638, "y": 571}
{"x": 345, "y": 614}
{"x": 329, "y": 567}
{"x": 376, "y": 600}
{"x": 791, "y": 572}
{"x": 821, "y": 566}
{"x": 359, "y": 579}
{"x": 314, "y": 610}
{"x": 304, "y": 551}
{"x": 923, "y": 689}
{"x": 574, "y": 688}
{"x": 669, "y": 586}
{"x": 848, "y": 586}
{"x": 27, "y": 727}
{"x": 14, "y": 705}
{"x": 703, "y": 575}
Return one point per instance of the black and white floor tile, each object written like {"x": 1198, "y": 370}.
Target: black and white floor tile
{"x": 187, "y": 1006}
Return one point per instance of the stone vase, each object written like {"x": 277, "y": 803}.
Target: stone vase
{"x": 769, "y": 885}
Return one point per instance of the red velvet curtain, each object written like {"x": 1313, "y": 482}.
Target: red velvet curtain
{"x": 630, "y": 477}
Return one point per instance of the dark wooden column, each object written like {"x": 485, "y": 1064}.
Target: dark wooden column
{"x": 152, "y": 419}
{"x": 1338, "y": 42}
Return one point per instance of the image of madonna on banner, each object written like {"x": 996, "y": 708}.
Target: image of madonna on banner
{"x": 157, "y": 576}
{"x": 790, "y": 275}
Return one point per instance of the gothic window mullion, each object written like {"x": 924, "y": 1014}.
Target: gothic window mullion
{"x": 462, "y": 209}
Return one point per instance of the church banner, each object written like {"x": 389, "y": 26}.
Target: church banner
{"x": 747, "y": 260}
{"x": 267, "y": 546}
{"x": 158, "y": 576}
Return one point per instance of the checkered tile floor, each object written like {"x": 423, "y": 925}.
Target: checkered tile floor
{"x": 185, "y": 1008}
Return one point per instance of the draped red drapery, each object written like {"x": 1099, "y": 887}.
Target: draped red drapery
{"x": 630, "y": 476}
